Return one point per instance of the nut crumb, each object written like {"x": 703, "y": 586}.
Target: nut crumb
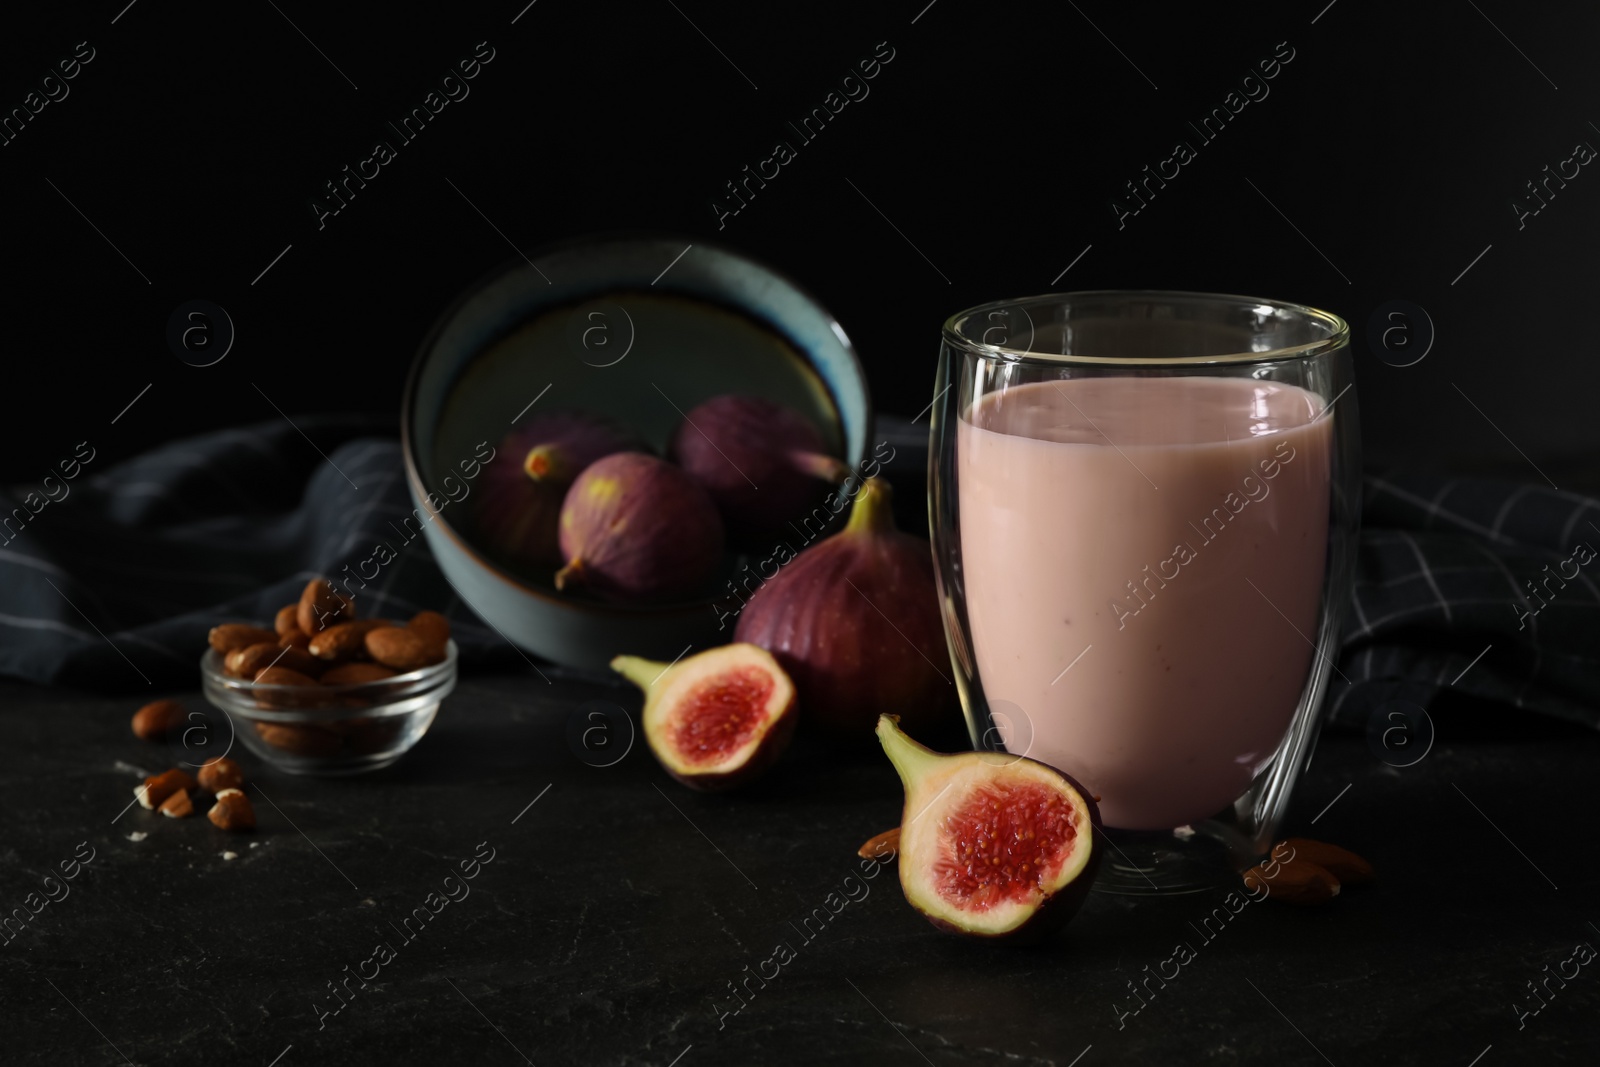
{"x": 138, "y": 835}
{"x": 253, "y": 844}
{"x": 230, "y": 855}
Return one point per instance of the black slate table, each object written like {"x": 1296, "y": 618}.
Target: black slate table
{"x": 612, "y": 913}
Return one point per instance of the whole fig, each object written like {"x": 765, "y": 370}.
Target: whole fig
{"x": 634, "y": 527}
{"x": 760, "y": 461}
{"x": 855, "y": 621}
{"x": 519, "y": 498}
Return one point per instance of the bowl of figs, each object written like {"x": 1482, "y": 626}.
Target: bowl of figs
{"x": 603, "y": 441}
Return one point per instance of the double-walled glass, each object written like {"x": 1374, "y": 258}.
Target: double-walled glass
{"x": 1143, "y": 509}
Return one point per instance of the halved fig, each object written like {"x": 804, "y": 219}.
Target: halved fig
{"x": 991, "y": 845}
{"x": 716, "y": 719}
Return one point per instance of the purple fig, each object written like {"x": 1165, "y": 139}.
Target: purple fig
{"x": 855, "y": 621}
{"x": 759, "y": 461}
{"x": 519, "y": 498}
{"x": 634, "y": 527}
{"x": 991, "y": 847}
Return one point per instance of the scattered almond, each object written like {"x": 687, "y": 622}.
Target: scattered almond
{"x": 158, "y": 787}
{"x": 1343, "y": 864}
{"x": 1297, "y": 881}
{"x": 177, "y": 806}
{"x": 345, "y": 640}
{"x": 157, "y": 719}
{"x": 232, "y": 811}
{"x": 232, "y": 635}
{"x": 885, "y": 844}
{"x": 321, "y": 607}
{"x": 219, "y": 774}
{"x": 402, "y": 648}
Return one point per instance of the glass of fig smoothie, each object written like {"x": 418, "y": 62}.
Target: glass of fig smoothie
{"x": 1143, "y": 508}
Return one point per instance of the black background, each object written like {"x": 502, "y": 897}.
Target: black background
{"x": 995, "y": 140}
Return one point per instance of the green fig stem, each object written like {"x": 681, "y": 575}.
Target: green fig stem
{"x": 820, "y": 465}
{"x": 914, "y": 762}
{"x": 641, "y": 672}
{"x": 872, "y": 511}
{"x": 548, "y": 463}
{"x": 571, "y": 574}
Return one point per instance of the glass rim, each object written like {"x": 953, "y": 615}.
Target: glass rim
{"x": 1338, "y": 335}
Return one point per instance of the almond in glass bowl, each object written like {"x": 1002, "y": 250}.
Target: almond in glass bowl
{"x": 330, "y": 727}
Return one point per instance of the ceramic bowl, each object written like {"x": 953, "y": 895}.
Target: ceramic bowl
{"x": 640, "y": 329}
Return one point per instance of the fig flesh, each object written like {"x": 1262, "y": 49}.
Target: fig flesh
{"x": 760, "y": 461}
{"x": 855, "y": 621}
{"x": 992, "y": 845}
{"x": 518, "y": 504}
{"x": 716, "y": 719}
{"x": 634, "y": 527}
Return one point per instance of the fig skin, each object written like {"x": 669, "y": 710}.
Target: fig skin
{"x": 519, "y": 498}
{"x": 928, "y": 775}
{"x": 760, "y": 461}
{"x": 855, "y": 621}
{"x": 663, "y": 684}
{"x": 636, "y": 528}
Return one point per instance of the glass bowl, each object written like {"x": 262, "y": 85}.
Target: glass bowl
{"x": 330, "y": 729}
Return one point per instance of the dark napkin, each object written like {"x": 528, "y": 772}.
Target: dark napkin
{"x": 1484, "y": 586}
{"x": 114, "y": 585}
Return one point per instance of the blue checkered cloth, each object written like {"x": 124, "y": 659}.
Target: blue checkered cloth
{"x": 114, "y": 586}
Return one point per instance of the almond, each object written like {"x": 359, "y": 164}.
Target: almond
{"x": 884, "y": 845}
{"x": 219, "y": 774}
{"x": 251, "y": 661}
{"x": 157, "y": 719}
{"x": 344, "y": 640}
{"x": 299, "y": 740}
{"x": 402, "y": 648}
{"x": 1296, "y": 881}
{"x": 158, "y": 787}
{"x": 296, "y": 637}
{"x": 355, "y": 674}
{"x": 232, "y": 812}
{"x": 321, "y": 607}
{"x": 433, "y": 628}
{"x": 366, "y": 736}
{"x": 287, "y": 619}
{"x": 232, "y": 635}
{"x": 1343, "y": 864}
{"x": 300, "y": 690}
{"x": 177, "y": 806}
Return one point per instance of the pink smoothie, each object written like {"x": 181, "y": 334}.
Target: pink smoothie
{"x": 1143, "y": 561}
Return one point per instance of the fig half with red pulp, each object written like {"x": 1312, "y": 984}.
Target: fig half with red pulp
{"x": 716, "y": 719}
{"x": 991, "y": 845}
